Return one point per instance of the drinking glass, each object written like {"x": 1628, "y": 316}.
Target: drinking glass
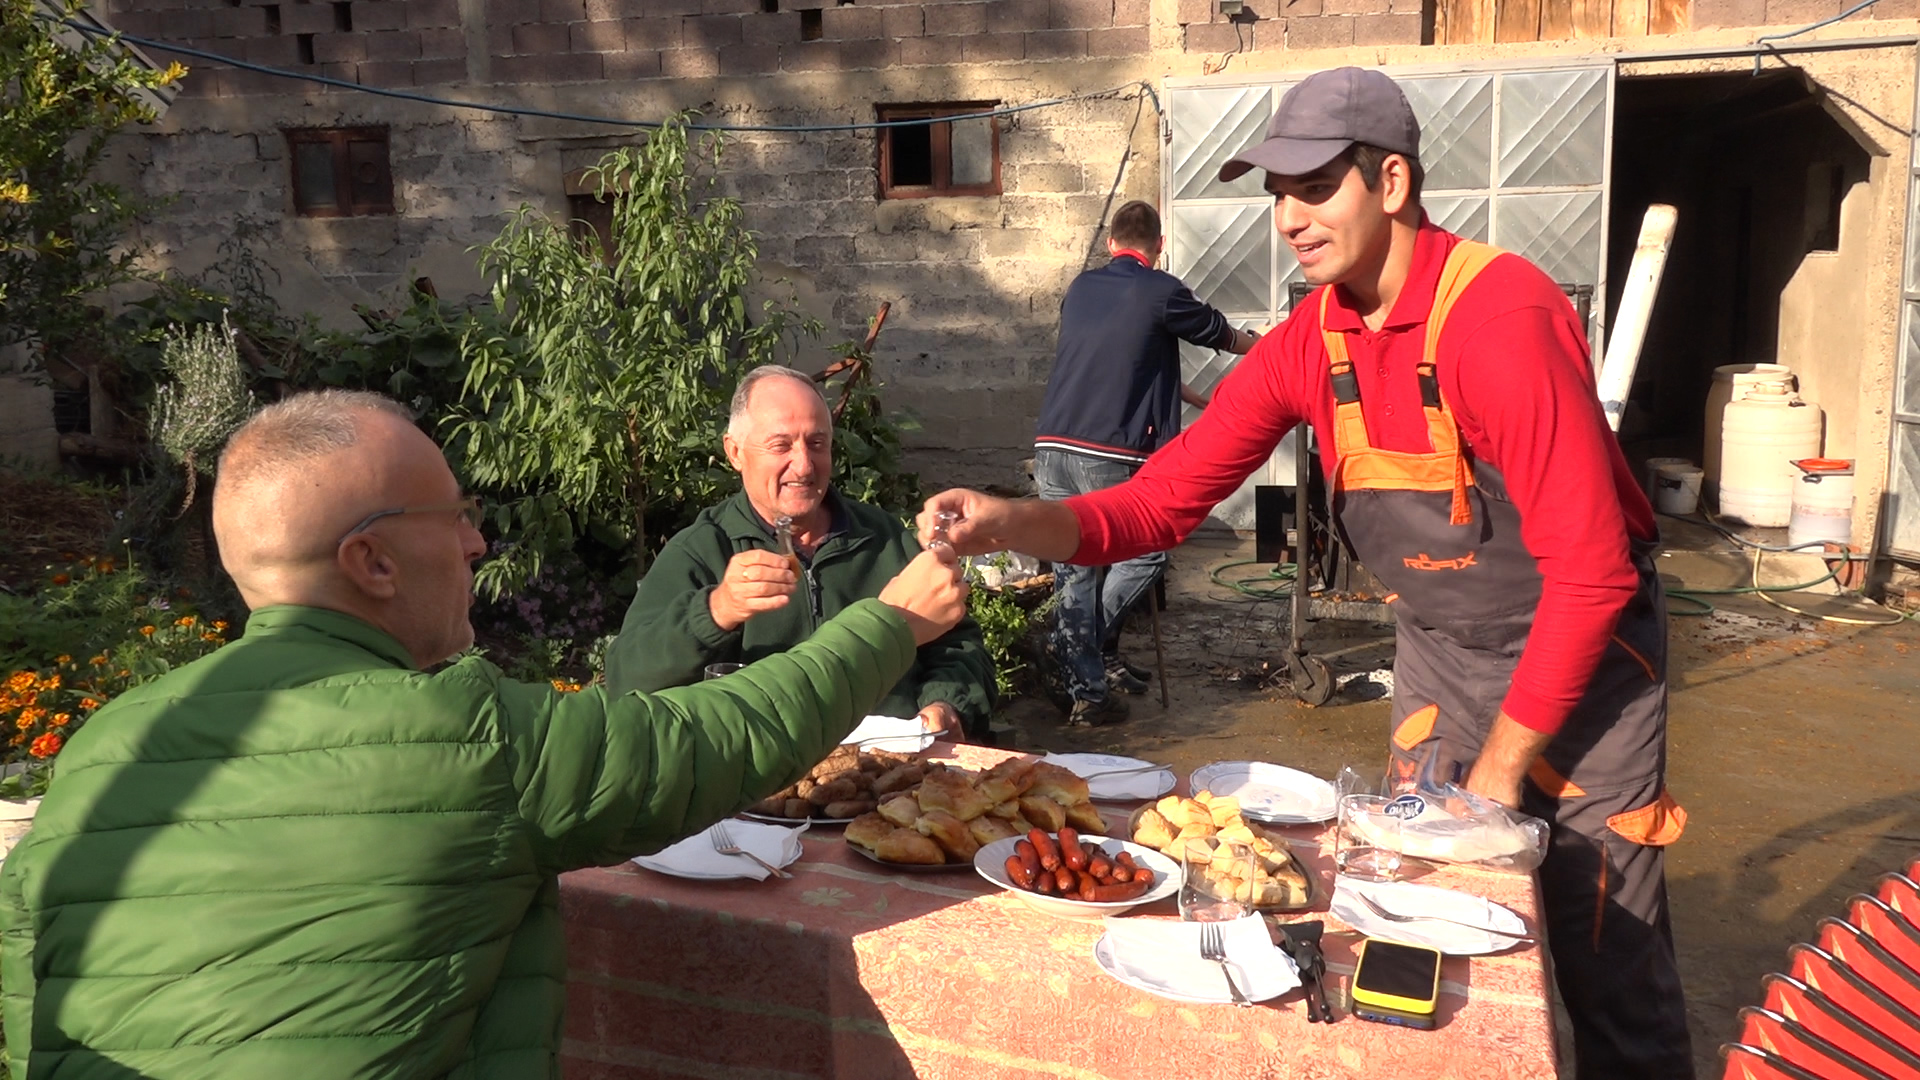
{"x": 943, "y": 521}
{"x": 1217, "y": 880}
{"x": 719, "y": 671}
{"x": 1367, "y": 838}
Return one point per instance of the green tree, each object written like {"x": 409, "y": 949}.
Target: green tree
{"x": 597, "y": 385}
{"x": 63, "y": 94}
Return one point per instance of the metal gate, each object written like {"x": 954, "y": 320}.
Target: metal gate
{"x": 1903, "y": 471}
{"x": 1518, "y": 156}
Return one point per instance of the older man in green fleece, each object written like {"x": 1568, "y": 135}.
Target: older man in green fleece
{"x": 306, "y": 856}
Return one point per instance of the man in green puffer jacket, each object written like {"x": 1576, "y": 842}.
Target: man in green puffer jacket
{"x": 305, "y": 857}
{"x": 721, "y": 592}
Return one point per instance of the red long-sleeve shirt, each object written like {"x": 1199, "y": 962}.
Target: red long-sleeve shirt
{"x": 1514, "y": 369}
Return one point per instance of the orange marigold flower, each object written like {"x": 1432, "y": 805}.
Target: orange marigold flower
{"x": 61, "y": 719}
{"x": 219, "y": 624}
{"x": 62, "y": 579}
{"x": 147, "y": 631}
{"x": 25, "y": 723}
{"x": 17, "y": 739}
{"x": 184, "y": 620}
{"x": 87, "y": 704}
{"x": 51, "y": 682}
{"x": 123, "y": 673}
{"x": 99, "y": 661}
{"x": 20, "y": 681}
{"x": 63, "y": 658}
{"x": 46, "y": 745}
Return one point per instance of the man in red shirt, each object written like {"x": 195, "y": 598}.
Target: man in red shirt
{"x": 1471, "y": 469}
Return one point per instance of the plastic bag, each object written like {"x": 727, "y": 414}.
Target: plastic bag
{"x": 1441, "y": 821}
{"x": 1001, "y": 568}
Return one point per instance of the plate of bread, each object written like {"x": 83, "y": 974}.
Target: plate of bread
{"x": 1279, "y": 882}
{"x": 945, "y": 818}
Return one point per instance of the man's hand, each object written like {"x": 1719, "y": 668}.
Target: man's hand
{"x": 985, "y": 524}
{"x": 931, "y": 592}
{"x": 755, "y": 581}
{"x": 1504, "y": 760}
{"x": 940, "y": 718}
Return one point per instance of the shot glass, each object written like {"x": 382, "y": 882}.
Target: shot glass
{"x": 1217, "y": 883}
{"x": 719, "y": 671}
{"x": 1367, "y": 839}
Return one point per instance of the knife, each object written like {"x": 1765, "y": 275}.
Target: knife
{"x": 1301, "y": 941}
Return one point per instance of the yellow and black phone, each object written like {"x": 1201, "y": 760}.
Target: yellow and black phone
{"x": 1396, "y": 984}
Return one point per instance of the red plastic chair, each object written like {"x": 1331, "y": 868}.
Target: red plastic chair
{"x": 1818, "y": 1014}
{"x": 1754, "y": 1063}
{"x": 1899, "y": 892}
{"x": 1798, "y": 1046}
{"x": 1887, "y": 928}
{"x": 1865, "y": 958}
{"x": 1820, "y": 971}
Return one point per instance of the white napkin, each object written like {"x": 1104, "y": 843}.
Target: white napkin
{"x": 1165, "y": 955}
{"x": 1412, "y": 898}
{"x": 902, "y": 735}
{"x": 694, "y": 857}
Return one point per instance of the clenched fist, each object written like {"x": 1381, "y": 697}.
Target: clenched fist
{"x": 755, "y": 581}
{"x": 931, "y": 592}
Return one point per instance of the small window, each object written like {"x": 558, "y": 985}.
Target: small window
{"x": 957, "y": 158}
{"x": 592, "y": 215}
{"x": 341, "y": 172}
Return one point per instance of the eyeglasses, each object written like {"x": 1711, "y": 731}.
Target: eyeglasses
{"x": 468, "y": 508}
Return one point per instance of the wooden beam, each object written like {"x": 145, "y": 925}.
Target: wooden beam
{"x": 1630, "y": 18}
{"x": 1592, "y": 18}
{"x": 1517, "y": 20}
{"x": 1479, "y": 19}
{"x": 1669, "y": 16}
{"x": 1556, "y": 20}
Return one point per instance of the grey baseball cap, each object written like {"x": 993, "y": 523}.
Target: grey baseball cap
{"x": 1324, "y": 114}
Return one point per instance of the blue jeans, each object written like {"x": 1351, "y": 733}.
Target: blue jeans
{"x": 1088, "y": 610}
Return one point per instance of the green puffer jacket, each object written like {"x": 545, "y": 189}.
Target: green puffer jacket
{"x": 670, "y": 635}
{"x": 301, "y": 859}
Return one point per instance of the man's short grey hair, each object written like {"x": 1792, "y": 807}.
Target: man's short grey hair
{"x": 302, "y": 427}
{"x": 743, "y": 394}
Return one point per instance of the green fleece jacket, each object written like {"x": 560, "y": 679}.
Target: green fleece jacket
{"x": 301, "y": 858}
{"x": 670, "y": 635}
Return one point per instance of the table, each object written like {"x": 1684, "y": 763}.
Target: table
{"x": 853, "y": 970}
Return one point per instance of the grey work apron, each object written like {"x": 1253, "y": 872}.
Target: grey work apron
{"x": 1439, "y": 531}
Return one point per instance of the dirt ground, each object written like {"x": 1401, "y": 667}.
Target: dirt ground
{"x": 1792, "y": 744}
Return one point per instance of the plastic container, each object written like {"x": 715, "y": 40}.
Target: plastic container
{"x": 1730, "y": 383}
{"x": 1652, "y": 481}
{"x": 1677, "y": 488}
{"x": 1822, "y": 502}
{"x": 1761, "y": 436}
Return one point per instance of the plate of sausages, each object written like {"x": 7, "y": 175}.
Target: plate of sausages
{"x": 1071, "y": 876}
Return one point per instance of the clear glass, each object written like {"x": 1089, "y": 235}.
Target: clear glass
{"x": 943, "y": 520}
{"x": 313, "y": 164}
{"x": 1366, "y": 839}
{"x": 783, "y": 543}
{"x": 1217, "y": 880}
{"x": 719, "y": 671}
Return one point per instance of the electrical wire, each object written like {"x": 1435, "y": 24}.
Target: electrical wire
{"x": 1146, "y": 90}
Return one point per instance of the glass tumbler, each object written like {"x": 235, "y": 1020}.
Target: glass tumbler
{"x": 1217, "y": 882}
{"x": 719, "y": 671}
{"x": 1367, "y": 838}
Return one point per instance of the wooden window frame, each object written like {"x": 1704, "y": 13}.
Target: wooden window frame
{"x": 942, "y": 150}
{"x": 341, "y": 140}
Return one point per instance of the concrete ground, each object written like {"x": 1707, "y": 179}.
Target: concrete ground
{"x": 1794, "y": 745}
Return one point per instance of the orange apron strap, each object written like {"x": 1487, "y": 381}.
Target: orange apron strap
{"x": 1464, "y": 263}
{"x": 1349, "y": 425}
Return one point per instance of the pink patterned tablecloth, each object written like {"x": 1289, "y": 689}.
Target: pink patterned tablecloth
{"x": 854, "y": 971}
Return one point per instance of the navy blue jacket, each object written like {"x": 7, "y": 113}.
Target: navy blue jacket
{"x": 1115, "y": 388}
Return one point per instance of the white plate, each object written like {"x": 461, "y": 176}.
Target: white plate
{"x": 991, "y": 862}
{"x": 1271, "y": 793}
{"x": 1169, "y": 965}
{"x": 695, "y": 859}
{"x": 1408, "y": 898}
{"x": 1120, "y": 786}
{"x": 902, "y": 735}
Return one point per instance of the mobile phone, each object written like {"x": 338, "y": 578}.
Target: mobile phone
{"x": 1396, "y": 984}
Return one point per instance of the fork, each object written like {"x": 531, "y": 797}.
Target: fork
{"x": 723, "y": 843}
{"x": 1212, "y": 948}
{"x": 1394, "y": 916}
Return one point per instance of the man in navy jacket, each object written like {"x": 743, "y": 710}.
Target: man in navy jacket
{"x": 1112, "y": 400}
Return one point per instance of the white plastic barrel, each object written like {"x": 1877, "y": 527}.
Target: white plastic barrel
{"x": 1677, "y": 488}
{"x": 1761, "y": 436}
{"x": 1822, "y": 502}
{"x": 1731, "y": 382}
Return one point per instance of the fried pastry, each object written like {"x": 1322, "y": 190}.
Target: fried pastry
{"x": 868, "y": 830}
{"x": 1058, "y": 784}
{"x": 952, "y": 834}
{"x": 1084, "y": 817}
{"x": 987, "y": 828}
{"x": 908, "y": 846}
{"x": 898, "y": 778}
{"x": 953, "y": 792}
{"x": 1043, "y": 812}
{"x": 902, "y": 810}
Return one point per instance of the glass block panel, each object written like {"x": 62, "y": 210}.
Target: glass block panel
{"x": 1461, "y": 215}
{"x": 1553, "y": 127}
{"x": 1903, "y": 532}
{"x": 1210, "y": 126}
{"x": 1910, "y": 363}
{"x": 1203, "y": 369}
{"x": 1224, "y": 252}
{"x": 1913, "y": 231}
{"x": 1456, "y": 129}
{"x": 1559, "y": 232}
{"x": 972, "y": 152}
